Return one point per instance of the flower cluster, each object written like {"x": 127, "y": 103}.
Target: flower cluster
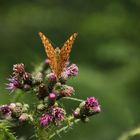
{"x": 48, "y": 90}
{"x": 55, "y": 115}
{"x": 87, "y": 108}
{"x": 19, "y": 79}
{"x": 15, "y": 111}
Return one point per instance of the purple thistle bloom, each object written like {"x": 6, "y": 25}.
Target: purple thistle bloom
{"x": 92, "y": 104}
{"x": 58, "y": 115}
{"x": 72, "y": 70}
{"x": 13, "y": 85}
{"x": 5, "y": 112}
{"x": 4, "y": 109}
{"x": 45, "y": 119}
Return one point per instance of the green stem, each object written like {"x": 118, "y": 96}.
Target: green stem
{"x": 74, "y": 99}
{"x": 64, "y": 128}
{"x": 128, "y": 135}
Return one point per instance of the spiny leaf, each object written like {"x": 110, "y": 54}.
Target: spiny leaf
{"x": 5, "y": 132}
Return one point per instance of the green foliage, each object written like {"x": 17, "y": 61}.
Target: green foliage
{"x": 5, "y": 132}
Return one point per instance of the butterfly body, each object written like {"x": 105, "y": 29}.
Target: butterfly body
{"x": 57, "y": 52}
{"x": 58, "y": 57}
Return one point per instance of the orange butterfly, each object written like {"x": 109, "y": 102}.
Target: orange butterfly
{"x": 58, "y": 57}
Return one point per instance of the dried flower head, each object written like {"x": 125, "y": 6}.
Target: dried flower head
{"x": 18, "y": 69}
{"x": 67, "y": 90}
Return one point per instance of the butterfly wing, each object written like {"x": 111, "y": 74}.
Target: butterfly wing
{"x": 49, "y": 51}
{"x": 64, "y": 54}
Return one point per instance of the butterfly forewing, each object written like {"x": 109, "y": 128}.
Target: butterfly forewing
{"x": 64, "y": 54}
{"x": 49, "y": 51}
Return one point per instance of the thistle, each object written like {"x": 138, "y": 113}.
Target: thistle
{"x": 49, "y": 84}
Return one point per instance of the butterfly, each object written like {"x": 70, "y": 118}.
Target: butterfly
{"x": 58, "y": 57}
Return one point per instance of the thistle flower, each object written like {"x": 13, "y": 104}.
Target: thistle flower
{"x": 13, "y": 85}
{"x": 4, "y": 109}
{"x": 18, "y": 69}
{"x": 58, "y": 115}
{"x": 67, "y": 90}
{"x": 51, "y": 76}
{"x": 5, "y": 112}
{"x": 21, "y": 75}
{"x": 45, "y": 119}
{"x": 92, "y": 104}
{"x": 72, "y": 70}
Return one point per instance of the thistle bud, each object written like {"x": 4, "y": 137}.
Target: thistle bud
{"x": 51, "y": 77}
{"x": 76, "y": 113}
{"x": 40, "y": 107}
{"x": 52, "y": 96}
{"x": 23, "y": 117}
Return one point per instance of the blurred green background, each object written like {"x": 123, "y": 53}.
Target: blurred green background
{"x": 107, "y": 51}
